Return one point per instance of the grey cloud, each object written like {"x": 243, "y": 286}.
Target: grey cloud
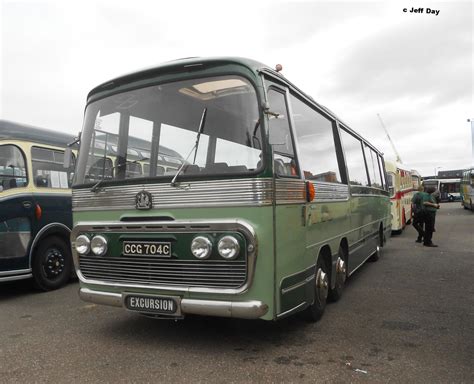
{"x": 287, "y": 23}
{"x": 387, "y": 66}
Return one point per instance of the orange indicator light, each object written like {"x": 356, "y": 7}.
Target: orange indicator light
{"x": 38, "y": 212}
{"x": 310, "y": 191}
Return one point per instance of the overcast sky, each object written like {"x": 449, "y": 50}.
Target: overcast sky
{"x": 357, "y": 58}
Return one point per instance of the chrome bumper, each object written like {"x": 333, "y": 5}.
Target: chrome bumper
{"x": 253, "y": 309}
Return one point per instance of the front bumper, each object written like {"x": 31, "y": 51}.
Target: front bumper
{"x": 252, "y": 309}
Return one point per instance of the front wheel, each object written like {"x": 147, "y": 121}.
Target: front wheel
{"x": 52, "y": 264}
{"x": 321, "y": 289}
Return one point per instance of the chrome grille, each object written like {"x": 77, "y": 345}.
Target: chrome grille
{"x": 156, "y": 271}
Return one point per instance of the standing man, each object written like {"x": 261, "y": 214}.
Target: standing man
{"x": 417, "y": 208}
{"x": 430, "y": 208}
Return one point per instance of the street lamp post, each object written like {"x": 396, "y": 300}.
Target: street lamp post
{"x": 436, "y": 171}
{"x": 472, "y": 137}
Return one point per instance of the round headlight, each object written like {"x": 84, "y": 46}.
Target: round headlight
{"x": 201, "y": 247}
{"x": 83, "y": 245}
{"x": 99, "y": 245}
{"x": 228, "y": 247}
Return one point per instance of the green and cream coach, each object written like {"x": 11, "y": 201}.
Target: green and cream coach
{"x": 217, "y": 187}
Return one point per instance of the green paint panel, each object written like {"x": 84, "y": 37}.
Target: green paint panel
{"x": 259, "y": 218}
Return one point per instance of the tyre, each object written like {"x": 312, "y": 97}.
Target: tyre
{"x": 376, "y": 255}
{"x": 341, "y": 275}
{"x": 321, "y": 289}
{"x": 52, "y": 263}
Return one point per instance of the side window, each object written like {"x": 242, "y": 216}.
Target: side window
{"x": 354, "y": 159}
{"x": 12, "y": 168}
{"x": 284, "y": 160}
{"x": 391, "y": 183}
{"x": 48, "y": 170}
{"x": 316, "y": 145}
{"x": 382, "y": 172}
{"x": 373, "y": 167}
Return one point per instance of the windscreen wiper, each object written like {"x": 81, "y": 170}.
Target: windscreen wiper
{"x": 96, "y": 186}
{"x": 194, "y": 149}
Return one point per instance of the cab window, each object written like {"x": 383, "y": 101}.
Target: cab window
{"x": 12, "y": 168}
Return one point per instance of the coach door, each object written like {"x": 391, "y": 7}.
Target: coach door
{"x": 16, "y": 211}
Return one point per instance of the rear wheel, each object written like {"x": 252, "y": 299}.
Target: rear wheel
{"x": 341, "y": 274}
{"x": 321, "y": 289}
{"x": 52, "y": 264}
{"x": 376, "y": 255}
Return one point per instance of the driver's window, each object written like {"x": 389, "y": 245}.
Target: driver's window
{"x": 284, "y": 154}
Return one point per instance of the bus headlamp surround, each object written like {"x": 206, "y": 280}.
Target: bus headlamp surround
{"x": 201, "y": 247}
{"x": 82, "y": 245}
{"x": 99, "y": 245}
{"x": 228, "y": 247}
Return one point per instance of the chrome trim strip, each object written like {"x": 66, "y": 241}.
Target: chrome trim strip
{"x": 15, "y": 272}
{"x": 104, "y": 298}
{"x": 239, "y": 309}
{"x": 211, "y": 193}
{"x": 297, "y": 285}
{"x": 252, "y": 309}
{"x": 290, "y": 191}
{"x": 293, "y": 191}
{"x": 292, "y": 310}
{"x": 17, "y": 277}
{"x": 194, "y": 226}
{"x": 330, "y": 191}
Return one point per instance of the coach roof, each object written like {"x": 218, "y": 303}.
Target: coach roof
{"x": 16, "y": 131}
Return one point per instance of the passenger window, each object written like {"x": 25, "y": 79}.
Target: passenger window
{"x": 316, "y": 145}
{"x": 354, "y": 159}
{"x": 48, "y": 170}
{"x": 12, "y": 168}
{"x": 382, "y": 172}
{"x": 284, "y": 154}
{"x": 373, "y": 167}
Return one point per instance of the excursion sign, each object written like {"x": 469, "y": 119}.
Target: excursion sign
{"x": 151, "y": 304}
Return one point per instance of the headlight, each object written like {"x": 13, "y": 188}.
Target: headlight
{"x": 83, "y": 245}
{"x": 201, "y": 247}
{"x": 228, "y": 247}
{"x": 99, "y": 245}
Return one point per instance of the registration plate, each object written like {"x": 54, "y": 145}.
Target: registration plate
{"x": 152, "y": 304}
{"x": 146, "y": 248}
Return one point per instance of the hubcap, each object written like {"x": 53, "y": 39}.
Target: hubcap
{"x": 322, "y": 285}
{"x": 54, "y": 263}
{"x": 340, "y": 271}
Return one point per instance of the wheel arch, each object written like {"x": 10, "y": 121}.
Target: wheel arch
{"x": 52, "y": 229}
